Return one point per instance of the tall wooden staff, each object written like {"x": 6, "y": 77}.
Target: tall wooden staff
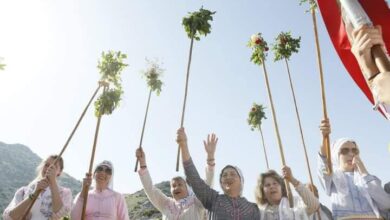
{"x": 255, "y": 116}
{"x": 152, "y": 75}
{"x": 259, "y": 50}
{"x": 110, "y": 67}
{"x": 195, "y": 24}
{"x": 325, "y": 138}
{"x": 35, "y": 196}
{"x": 283, "y": 48}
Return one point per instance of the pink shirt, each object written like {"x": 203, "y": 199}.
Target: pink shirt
{"x": 105, "y": 205}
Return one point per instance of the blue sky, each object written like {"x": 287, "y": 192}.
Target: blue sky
{"x": 51, "y": 50}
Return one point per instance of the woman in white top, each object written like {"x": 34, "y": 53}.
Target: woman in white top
{"x": 272, "y": 199}
{"x": 54, "y": 202}
{"x": 183, "y": 205}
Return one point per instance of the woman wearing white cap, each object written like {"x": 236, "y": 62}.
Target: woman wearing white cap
{"x": 103, "y": 202}
{"x": 355, "y": 194}
{"x": 183, "y": 205}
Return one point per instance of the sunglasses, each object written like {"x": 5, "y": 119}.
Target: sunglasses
{"x": 104, "y": 168}
{"x": 345, "y": 151}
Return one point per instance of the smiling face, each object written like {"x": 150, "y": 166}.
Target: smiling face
{"x": 231, "y": 182}
{"x": 102, "y": 176}
{"x": 272, "y": 190}
{"x": 346, "y": 154}
{"x": 178, "y": 188}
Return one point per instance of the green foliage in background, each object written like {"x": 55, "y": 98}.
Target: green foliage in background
{"x": 110, "y": 68}
{"x": 197, "y": 23}
{"x": 255, "y": 116}
{"x": 285, "y": 45}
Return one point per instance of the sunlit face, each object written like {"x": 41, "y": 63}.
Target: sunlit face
{"x": 47, "y": 164}
{"x": 103, "y": 176}
{"x": 272, "y": 190}
{"x": 346, "y": 154}
{"x": 231, "y": 182}
{"x": 179, "y": 189}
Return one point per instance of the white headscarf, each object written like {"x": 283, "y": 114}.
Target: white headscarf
{"x": 239, "y": 172}
{"x": 339, "y": 179}
{"x": 109, "y": 165}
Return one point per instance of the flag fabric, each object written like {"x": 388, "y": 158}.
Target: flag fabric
{"x": 379, "y": 13}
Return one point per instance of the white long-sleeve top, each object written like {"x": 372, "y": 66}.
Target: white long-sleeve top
{"x": 42, "y": 208}
{"x": 304, "y": 205}
{"x": 169, "y": 207}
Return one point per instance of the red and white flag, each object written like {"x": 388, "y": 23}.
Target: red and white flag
{"x": 379, "y": 13}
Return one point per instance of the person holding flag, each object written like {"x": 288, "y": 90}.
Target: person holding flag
{"x": 360, "y": 33}
{"x": 363, "y": 40}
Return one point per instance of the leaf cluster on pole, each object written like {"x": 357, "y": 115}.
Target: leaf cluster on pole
{"x": 259, "y": 48}
{"x": 285, "y": 45}
{"x": 312, "y": 3}
{"x": 255, "y": 116}
{"x": 152, "y": 75}
{"x": 110, "y": 67}
{"x": 197, "y": 23}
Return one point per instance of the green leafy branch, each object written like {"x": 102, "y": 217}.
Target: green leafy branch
{"x": 152, "y": 74}
{"x": 197, "y": 23}
{"x": 110, "y": 68}
{"x": 285, "y": 45}
{"x": 255, "y": 116}
{"x": 259, "y": 48}
{"x": 312, "y": 3}
{"x": 111, "y": 65}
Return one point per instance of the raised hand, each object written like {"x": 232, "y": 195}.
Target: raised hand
{"x": 325, "y": 127}
{"x": 363, "y": 39}
{"x": 181, "y": 137}
{"x": 210, "y": 144}
{"x": 139, "y": 153}
{"x": 287, "y": 175}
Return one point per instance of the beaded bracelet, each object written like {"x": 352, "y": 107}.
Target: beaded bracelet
{"x": 31, "y": 196}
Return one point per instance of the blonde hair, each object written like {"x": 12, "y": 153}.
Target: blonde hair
{"x": 40, "y": 167}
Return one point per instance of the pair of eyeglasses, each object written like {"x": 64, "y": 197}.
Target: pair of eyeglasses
{"x": 345, "y": 151}
{"x": 104, "y": 168}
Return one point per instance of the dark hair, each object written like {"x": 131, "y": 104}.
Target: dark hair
{"x": 259, "y": 192}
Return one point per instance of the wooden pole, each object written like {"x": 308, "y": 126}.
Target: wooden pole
{"x": 143, "y": 128}
{"x": 85, "y": 196}
{"x": 299, "y": 123}
{"x": 288, "y": 189}
{"x": 35, "y": 196}
{"x": 185, "y": 99}
{"x": 264, "y": 149}
{"x": 325, "y": 138}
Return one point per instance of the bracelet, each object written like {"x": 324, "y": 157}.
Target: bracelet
{"x": 373, "y": 76}
{"x": 211, "y": 164}
{"x": 209, "y": 160}
{"x": 143, "y": 167}
{"x": 31, "y": 196}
